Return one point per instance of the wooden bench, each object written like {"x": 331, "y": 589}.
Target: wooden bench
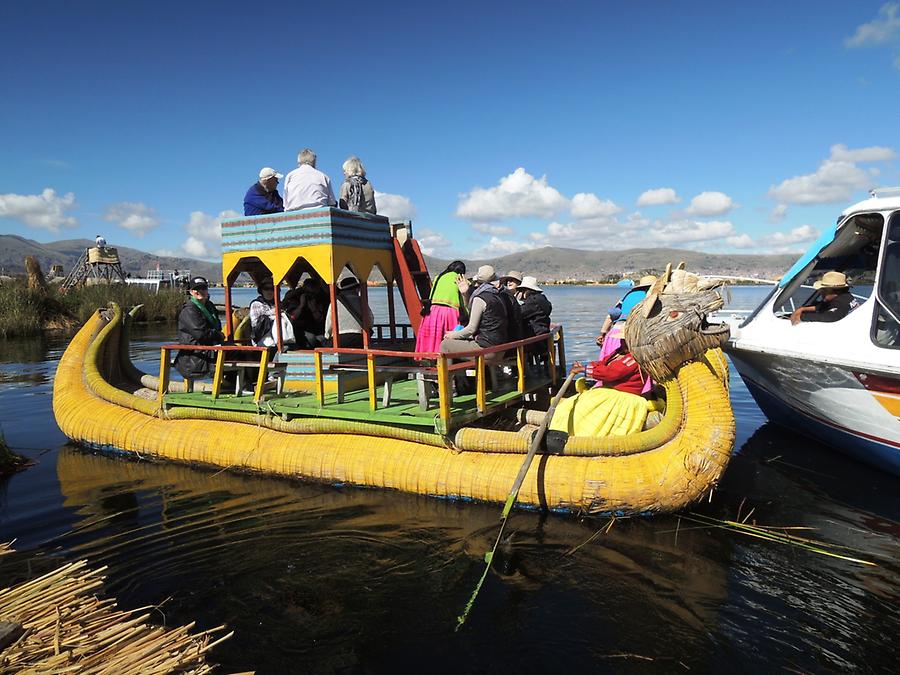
{"x": 279, "y": 370}
{"x": 389, "y": 374}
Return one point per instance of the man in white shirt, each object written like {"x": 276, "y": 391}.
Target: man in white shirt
{"x": 306, "y": 186}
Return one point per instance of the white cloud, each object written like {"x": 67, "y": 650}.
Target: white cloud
{"x": 134, "y": 216}
{"x": 740, "y": 241}
{"x": 395, "y": 207}
{"x": 498, "y": 247}
{"x": 518, "y": 195}
{"x": 46, "y": 211}
{"x": 431, "y": 242}
{"x": 799, "y": 235}
{"x": 485, "y": 228}
{"x": 879, "y": 31}
{"x": 708, "y": 204}
{"x": 836, "y": 179}
{"x": 205, "y": 234}
{"x": 778, "y": 213}
{"x": 587, "y": 206}
{"x": 683, "y": 231}
{"x": 658, "y": 197}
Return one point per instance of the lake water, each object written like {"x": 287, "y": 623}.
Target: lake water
{"x": 318, "y": 579}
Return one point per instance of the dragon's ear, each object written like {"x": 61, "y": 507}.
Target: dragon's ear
{"x": 680, "y": 265}
{"x": 652, "y": 298}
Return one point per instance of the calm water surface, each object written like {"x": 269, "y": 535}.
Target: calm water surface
{"x": 320, "y": 579}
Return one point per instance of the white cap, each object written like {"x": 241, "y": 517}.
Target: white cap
{"x": 267, "y": 172}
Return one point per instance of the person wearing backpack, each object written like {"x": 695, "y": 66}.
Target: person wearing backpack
{"x": 357, "y": 193}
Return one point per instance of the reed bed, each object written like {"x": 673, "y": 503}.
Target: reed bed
{"x": 68, "y": 629}
{"x": 27, "y": 311}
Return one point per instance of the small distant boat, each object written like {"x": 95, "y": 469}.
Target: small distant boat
{"x": 836, "y": 382}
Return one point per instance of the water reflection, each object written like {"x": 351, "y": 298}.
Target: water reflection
{"x": 320, "y": 579}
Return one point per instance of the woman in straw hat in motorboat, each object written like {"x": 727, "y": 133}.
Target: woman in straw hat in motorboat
{"x": 836, "y": 300}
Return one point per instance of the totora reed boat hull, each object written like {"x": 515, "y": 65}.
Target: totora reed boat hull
{"x": 660, "y": 470}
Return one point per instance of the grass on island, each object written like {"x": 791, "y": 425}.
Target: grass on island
{"x": 26, "y": 312}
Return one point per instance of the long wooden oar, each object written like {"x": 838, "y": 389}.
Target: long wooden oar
{"x": 514, "y": 492}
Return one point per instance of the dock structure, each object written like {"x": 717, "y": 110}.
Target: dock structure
{"x": 383, "y": 381}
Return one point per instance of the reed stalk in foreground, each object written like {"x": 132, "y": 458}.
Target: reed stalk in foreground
{"x": 68, "y": 629}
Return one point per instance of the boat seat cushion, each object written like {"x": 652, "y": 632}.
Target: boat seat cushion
{"x": 600, "y": 412}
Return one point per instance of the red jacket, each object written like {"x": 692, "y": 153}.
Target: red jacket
{"x": 618, "y": 371}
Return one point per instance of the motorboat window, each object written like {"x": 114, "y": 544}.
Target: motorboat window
{"x": 854, "y": 251}
{"x": 886, "y": 326}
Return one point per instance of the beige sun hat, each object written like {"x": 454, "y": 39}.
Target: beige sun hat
{"x": 530, "y": 284}
{"x": 485, "y": 274}
{"x": 515, "y": 275}
{"x": 832, "y": 280}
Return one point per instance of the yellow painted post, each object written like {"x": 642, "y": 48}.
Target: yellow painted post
{"x": 163, "y": 375}
{"x": 320, "y": 382}
{"x": 520, "y": 365}
{"x": 551, "y": 358}
{"x": 263, "y": 373}
{"x": 217, "y": 375}
{"x": 444, "y": 393}
{"x": 480, "y": 394}
{"x": 370, "y": 367}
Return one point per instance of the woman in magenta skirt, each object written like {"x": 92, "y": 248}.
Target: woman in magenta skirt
{"x": 443, "y": 307}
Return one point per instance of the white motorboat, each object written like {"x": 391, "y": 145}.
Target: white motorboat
{"x": 838, "y": 382}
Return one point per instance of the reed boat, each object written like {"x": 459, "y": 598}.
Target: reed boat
{"x": 837, "y": 382}
{"x": 361, "y": 416}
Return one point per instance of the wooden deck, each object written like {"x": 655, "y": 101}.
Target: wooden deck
{"x": 403, "y": 410}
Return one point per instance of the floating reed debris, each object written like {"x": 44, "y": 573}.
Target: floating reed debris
{"x": 779, "y": 535}
{"x": 59, "y": 626}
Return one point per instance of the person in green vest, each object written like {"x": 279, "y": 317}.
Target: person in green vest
{"x": 198, "y": 324}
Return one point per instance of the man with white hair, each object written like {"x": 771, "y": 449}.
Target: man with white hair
{"x": 263, "y": 197}
{"x": 306, "y": 186}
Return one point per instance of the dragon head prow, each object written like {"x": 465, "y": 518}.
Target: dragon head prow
{"x": 669, "y": 327}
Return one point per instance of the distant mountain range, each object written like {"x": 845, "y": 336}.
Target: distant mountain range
{"x": 14, "y": 248}
{"x": 547, "y": 264}
{"x": 559, "y": 264}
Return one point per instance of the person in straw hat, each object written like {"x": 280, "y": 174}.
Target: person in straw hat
{"x": 536, "y": 308}
{"x": 488, "y": 322}
{"x": 836, "y": 300}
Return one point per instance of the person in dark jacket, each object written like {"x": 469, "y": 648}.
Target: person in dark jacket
{"x": 536, "y": 308}
{"x": 263, "y": 197}
{"x": 488, "y": 319}
{"x": 198, "y": 324}
{"x": 836, "y": 303}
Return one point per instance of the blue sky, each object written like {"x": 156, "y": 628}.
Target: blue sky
{"x": 495, "y": 126}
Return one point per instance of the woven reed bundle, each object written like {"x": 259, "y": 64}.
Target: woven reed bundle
{"x": 68, "y": 629}
{"x": 663, "y": 478}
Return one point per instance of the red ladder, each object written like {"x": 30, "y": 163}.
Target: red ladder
{"x": 412, "y": 278}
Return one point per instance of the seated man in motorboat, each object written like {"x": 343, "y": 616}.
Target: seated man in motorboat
{"x": 262, "y": 197}
{"x": 198, "y": 324}
{"x": 836, "y": 301}
{"x": 350, "y": 322}
{"x": 488, "y": 318}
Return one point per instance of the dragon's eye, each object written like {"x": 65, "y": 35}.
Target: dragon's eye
{"x": 674, "y": 314}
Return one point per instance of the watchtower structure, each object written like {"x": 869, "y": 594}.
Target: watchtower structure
{"x": 96, "y": 265}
